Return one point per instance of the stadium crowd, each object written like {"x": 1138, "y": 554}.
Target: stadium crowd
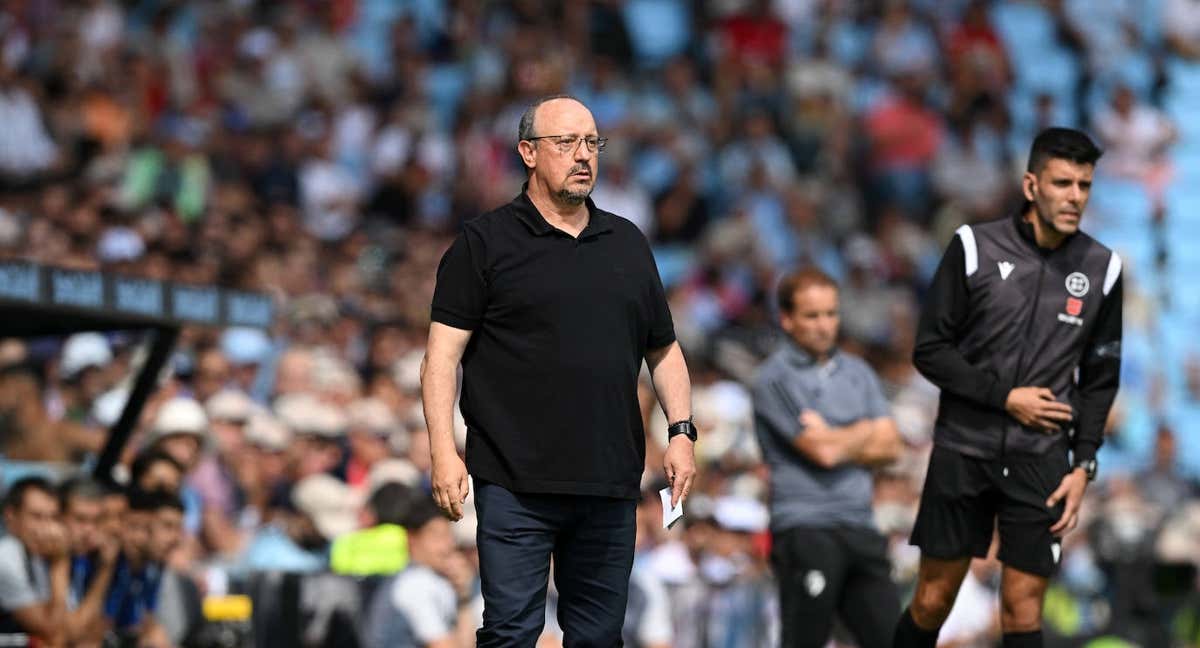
{"x": 327, "y": 152}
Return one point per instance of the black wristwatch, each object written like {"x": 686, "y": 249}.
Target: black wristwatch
{"x": 1089, "y": 468}
{"x": 683, "y": 427}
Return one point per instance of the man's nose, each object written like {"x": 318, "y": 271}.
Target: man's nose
{"x": 582, "y": 154}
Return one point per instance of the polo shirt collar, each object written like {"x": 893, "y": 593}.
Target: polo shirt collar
{"x": 599, "y": 221}
{"x": 798, "y": 357}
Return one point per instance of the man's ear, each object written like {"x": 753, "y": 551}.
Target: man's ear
{"x": 528, "y": 153}
{"x": 1029, "y": 186}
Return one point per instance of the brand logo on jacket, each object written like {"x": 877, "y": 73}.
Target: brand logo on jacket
{"x": 1074, "y": 306}
{"x": 1006, "y": 268}
{"x": 1077, "y": 284}
{"x": 1070, "y": 319}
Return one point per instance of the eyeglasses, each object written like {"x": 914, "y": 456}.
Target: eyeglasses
{"x": 569, "y": 143}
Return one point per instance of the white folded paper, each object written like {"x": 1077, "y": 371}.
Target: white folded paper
{"x": 670, "y": 515}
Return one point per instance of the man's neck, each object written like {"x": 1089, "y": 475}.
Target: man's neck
{"x": 568, "y": 217}
{"x": 1046, "y": 236}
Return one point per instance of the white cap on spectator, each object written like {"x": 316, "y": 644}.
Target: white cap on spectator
{"x": 266, "y": 432}
{"x": 400, "y": 471}
{"x": 373, "y": 416}
{"x": 180, "y": 415}
{"x": 305, "y": 414}
{"x": 332, "y": 505}
{"x": 737, "y": 513}
{"x": 334, "y": 376}
{"x": 229, "y": 405}
{"x": 84, "y": 350}
{"x": 406, "y": 371}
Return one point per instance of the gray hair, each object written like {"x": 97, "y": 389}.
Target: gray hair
{"x": 525, "y": 127}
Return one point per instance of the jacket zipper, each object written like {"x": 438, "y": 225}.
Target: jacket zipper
{"x": 1037, "y": 298}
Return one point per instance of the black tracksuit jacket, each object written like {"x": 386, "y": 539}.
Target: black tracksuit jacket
{"x": 1003, "y": 313}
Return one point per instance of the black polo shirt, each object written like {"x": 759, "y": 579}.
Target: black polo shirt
{"x": 560, "y": 326}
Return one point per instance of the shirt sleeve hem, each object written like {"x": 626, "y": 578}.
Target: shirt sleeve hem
{"x": 660, "y": 341}
{"x": 443, "y": 316}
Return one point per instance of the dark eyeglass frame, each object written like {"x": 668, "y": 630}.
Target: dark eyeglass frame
{"x": 594, "y": 145}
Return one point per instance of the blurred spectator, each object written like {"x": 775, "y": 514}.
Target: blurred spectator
{"x": 217, "y": 477}
{"x": 739, "y": 608}
{"x": 976, "y": 53}
{"x": 1181, "y": 22}
{"x": 902, "y": 45}
{"x": 181, "y": 430}
{"x": 93, "y": 558}
{"x": 154, "y": 471}
{"x": 904, "y": 135}
{"x": 1136, "y": 138}
{"x": 298, "y": 534}
{"x": 419, "y": 607}
{"x": 372, "y": 428}
{"x": 1161, "y": 483}
{"x": 26, "y": 148}
{"x": 152, "y": 529}
{"x": 381, "y": 546}
{"x": 34, "y": 564}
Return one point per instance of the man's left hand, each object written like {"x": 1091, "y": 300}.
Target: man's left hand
{"x": 1072, "y": 488}
{"x": 679, "y": 463}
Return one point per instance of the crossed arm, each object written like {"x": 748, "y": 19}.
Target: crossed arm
{"x": 870, "y": 442}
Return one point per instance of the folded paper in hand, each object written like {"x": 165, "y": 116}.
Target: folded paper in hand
{"x": 670, "y": 515}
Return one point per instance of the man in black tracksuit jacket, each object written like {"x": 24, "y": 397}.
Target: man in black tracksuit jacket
{"x": 1021, "y": 330}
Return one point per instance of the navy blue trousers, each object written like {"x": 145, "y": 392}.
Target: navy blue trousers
{"x": 591, "y": 540}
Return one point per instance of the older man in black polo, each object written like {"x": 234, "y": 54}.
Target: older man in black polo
{"x": 551, "y": 305}
{"x": 823, "y": 423}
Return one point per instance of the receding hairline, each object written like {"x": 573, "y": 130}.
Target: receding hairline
{"x": 535, "y": 107}
{"x": 795, "y": 282}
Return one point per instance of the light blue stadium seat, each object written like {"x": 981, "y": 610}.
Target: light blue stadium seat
{"x": 1186, "y": 158}
{"x": 445, "y": 85}
{"x": 1184, "y": 418}
{"x": 1054, "y": 70}
{"x": 1025, "y": 28}
{"x": 1149, "y": 21}
{"x": 1120, "y": 201}
{"x": 1183, "y": 196}
{"x": 1181, "y": 106}
{"x": 658, "y": 29}
{"x": 1184, "y": 76}
{"x": 1185, "y": 303}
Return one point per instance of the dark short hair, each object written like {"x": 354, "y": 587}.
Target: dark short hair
{"x": 391, "y": 503}
{"x": 798, "y": 280}
{"x": 147, "y": 458}
{"x": 84, "y": 488}
{"x": 153, "y": 501}
{"x": 14, "y": 499}
{"x": 422, "y": 512}
{"x": 525, "y": 126}
{"x": 1062, "y": 144}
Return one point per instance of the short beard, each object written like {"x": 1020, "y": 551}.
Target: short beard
{"x": 572, "y": 197}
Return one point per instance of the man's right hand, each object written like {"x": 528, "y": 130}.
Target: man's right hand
{"x": 1036, "y": 407}
{"x": 450, "y": 486}
{"x": 53, "y": 544}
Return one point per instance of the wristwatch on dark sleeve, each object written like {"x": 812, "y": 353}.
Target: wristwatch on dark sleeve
{"x": 683, "y": 427}
{"x": 1089, "y": 468}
